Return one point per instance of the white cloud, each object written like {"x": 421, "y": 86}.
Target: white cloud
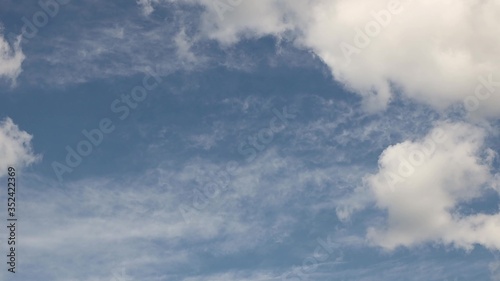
{"x": 422, "y": 183}
{"x": 441, "y": 61}
{"x": 121, "y": 48}
{"x": 11, "y": 58}
{"x": 125, "y": 220}
{"x": 15, "y": 147}
{"x": 146, "y": 6}
{"x": 434, "y": 52}
{"x": 183, "y": 45}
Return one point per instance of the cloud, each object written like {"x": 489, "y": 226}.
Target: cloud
{"x": 114, "y": 46}
{"x": 15, "y": 147}
{"x": 11, "y": 58}
{"x": 494, "y": 267}
{"x": 136, "y": 222}
{"x": 380, "y": 48}
{"x": 421, "y": 184}
{"x": 208, "y": 141}
{"x": 147, "y": 6}
{"x": 129, "y": 225}
{"x": 232, "y": 276}
{"x": 125, "y": 220}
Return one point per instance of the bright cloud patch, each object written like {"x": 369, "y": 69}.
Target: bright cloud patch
{"x": 421, "y": 183}
{"x": 436, "y": 52}
{"x": 147, "y": 6}
{"x": 11, "y": 58}
{"x": 15, "y": 147}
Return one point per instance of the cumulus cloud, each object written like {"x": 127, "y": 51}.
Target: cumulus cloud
{"x": 11, "y": 58}
{"x": 380, "y": 49}
{"x": 15, "y": 147}
{"x": 438, "y": 53}
{"x": 422, "y": 183}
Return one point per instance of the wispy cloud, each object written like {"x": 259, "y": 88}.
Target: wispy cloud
{"x": 16, "y": 148}
{"x": 11, "y": 58}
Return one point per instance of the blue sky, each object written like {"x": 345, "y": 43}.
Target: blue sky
{"x": 252, "y": 140}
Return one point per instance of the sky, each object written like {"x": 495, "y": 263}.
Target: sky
{"x": 236, "y": 140}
